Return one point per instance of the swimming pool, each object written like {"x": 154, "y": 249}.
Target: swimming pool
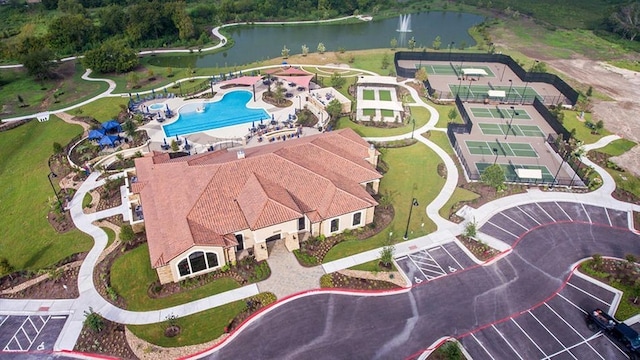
{"x": 230, "y": 110}
{"x": 157, "y": 106}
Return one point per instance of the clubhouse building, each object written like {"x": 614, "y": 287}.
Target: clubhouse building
{"x": 204, "y": 211}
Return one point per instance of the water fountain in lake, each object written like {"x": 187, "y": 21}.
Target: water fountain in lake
{"x": 404, "y": 23}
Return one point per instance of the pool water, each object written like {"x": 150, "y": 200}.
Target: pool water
{"x": 230, "y": 110}
{"x": 157, "y": 106}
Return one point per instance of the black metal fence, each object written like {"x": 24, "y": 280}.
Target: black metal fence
{"x": 569, "y": 94}
{"x": 551, "y": 120}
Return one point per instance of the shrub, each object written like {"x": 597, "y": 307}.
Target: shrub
{"x": 93, "y": 320}
{"x": 126, "y": 233}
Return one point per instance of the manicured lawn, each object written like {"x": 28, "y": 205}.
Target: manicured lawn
{"x": 86, "y": 200}
{"x": 618, "y": 147}
{"x": 103, "y": 109}
{"x": 385, "y": 95}
{"x": 624, "y": 180}
{"x": 111, "y": 235}
{"x": 582, "y": 131}
{"x": 368, "y": 95}
{"x": 386, "y": 113}
{"x": 372, "y": 266}
{"x": 411, "y": 174}
{"x": 194, "y": 329}
{"x": 420, "y": 114}
{"x": 369, "y": 112}
{"x": 443, "y": 120}
{"x": 440, "y": 138}
{"x": 28, "y": 241}
{"x": 135, "y": 292}
{"x": 459, "y": 195}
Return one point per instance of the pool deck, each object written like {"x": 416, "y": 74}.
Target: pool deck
{"x": 200, "y": 141}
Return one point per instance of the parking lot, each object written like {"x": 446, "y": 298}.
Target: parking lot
{"x": 553, "y": 330}
{"x": 432, "y": 263}
{"x": 29, "y": 333}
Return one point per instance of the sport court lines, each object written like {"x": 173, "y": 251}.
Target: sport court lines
{"x": 554, "y": 330}
{"x": 26, "y": 334}
{"x": 510, "y": 224}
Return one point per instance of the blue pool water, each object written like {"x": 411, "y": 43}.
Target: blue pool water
{"x": 157, "y": 106}
{"x": 230, "y": 110}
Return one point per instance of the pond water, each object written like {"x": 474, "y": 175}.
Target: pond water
{"x": 255, "y": 43}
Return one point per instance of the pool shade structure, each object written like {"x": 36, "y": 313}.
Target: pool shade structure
{"x": 112, "y": 126}
{"x": 96, "y": 134}
{"x": 109, "y": 140}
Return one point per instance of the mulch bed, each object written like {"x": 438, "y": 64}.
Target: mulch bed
{"x": 615, "y": 271}
{"x": 487, "y": 194}
{"x": 110, "y": 341}
{"x": 482, "y": 252}
{"x": 253, "y": 304}
{"x": 337, "y": 280}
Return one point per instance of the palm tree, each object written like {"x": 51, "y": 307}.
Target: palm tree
{"x": 129, "y": 128}
{"x": 279, "y": 94}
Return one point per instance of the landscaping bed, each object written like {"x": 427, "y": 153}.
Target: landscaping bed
{"x": 480, "y": 250}
{"x": 110, "y": 341}
{"x": 337, "y": 280}
{"x": 253, "y": 304}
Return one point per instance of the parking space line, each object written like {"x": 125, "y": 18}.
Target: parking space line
{"x": 574, "y": 330}
{"x": 26, "y": 335}
{"x": 568, "y": 349}
{"x": 454, "y": 259}
{"x": 515, "y": 222}
{"x": 550, "y": 333}
{"x": 419, "y": 268}
{"x": 584, "y": 292}
{"x": 545, "y": 211}
{"x": 528, "y": 337}
{"x": 507, "y": 231}
{"x": 586, "y": 212}
{"x": 561, "y": 208}
{"x": 5, "y": 319}
{"x": 572, "y": 303}
{"x": 482, "y": 346}
{"x": 530, "y": 217}
{"x": 608, "y": 217}
{"x": 505, "y": 340}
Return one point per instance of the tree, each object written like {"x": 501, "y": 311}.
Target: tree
{"x": 412, "y": 43}
{"x": 421, "y": 75}
{"x": 278, "y": 95}
{"x": 129, "y": 128}
{"x": 40, "y": 63}
{"x": 5, "y": 266}
{"x": 393, "y": 43}
{"x": 134, "y": 79}
{"x": 453, "y": 114}
{"x": 437, "y": 42}
{"x": 596, "y": 261}
{"x": 493, "y": 176}
{"x": 539, "y": 66}
{"x": 599, "y": 126}
{"x": 93, "y": 320}
{"x": 126, "y": 233}
{"x": 626, "y": 20}
{"x": 57, "y": 148}
{"x": 285, "y": 52}
{"x": 321, "y": 48}
{"x": 462, "y": 45}
{"x": 71, "y": 7}
{"x": 334, "y": 108}
{"x": 305, "y": 50}
{"x": 111, "y": 56}
{"x": 337, "y": 81}
{"x": 70, "y": 33}
{"x": 385, "y": 61}
{"x": 471, "y": 229}
{"x": 590, "y": 91}
{"x": 386, "y": 255}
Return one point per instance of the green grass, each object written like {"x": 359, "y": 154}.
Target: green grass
{"x": 135, "y": 292}
{"x": 373, "y": 266}
{"x": 86, "y": 200}
{"x": 194, "y": 329}
{"x": 583, "y": 133}
{"x": 625, "y": 309}
{"x": 369, "y": 112}
{"x": 368, "y": 95}
{"x": 626, "y": 181}
{"x": 103, "y": 109}
{"x": 440, "y": 138}
{"x": 28, "y": 241}
{"x": 386, "y": 113}
{"x": 618, "y": 147}
{"x": 111, "y": 235}
{"x": 420, "y": 114}
{"x": 626, "y": 64}
{"x": 404, "y": 180}
{"x": 385, "y": 95}
{"x": 443, "y": 119}
{"x": 459, "y": 195}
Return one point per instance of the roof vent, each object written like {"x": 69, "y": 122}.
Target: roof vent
{"x": 240, "y": 154}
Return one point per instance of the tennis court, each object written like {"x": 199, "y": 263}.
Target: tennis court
{"x": 513, "y": 93}
{"x": 515, "y": 129}
{"x": 384, "y": 95}
{"x": 368, "y": 94}
{"x": 451, "y": 69}
{"x": 510, "y": 171}
{"x": 502, "y": 148}
{"x": 500, "y": 113}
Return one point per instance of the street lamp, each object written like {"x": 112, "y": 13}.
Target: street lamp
{"x": 503, "y": 70}
{"x": 459, "y": 85}
{"x": 414, "y": 202}
{"x": 513, "y": 113}
{"x": 451, "y": 47}
{"x": 525, "y": 89}
{"x": 413, "y": 121}
{"x": 509, "y": 92}
{"x": 555, "y": 177}
{"x": 52, "y": 174}
{"x": 495, "y": 151}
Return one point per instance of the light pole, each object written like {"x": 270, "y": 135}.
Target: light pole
{"x": 555, "y": 177}
{"x": 509, "y": 92}
{"x": 413, "y": 121}
{"x": 299, "y": 102}
{"x": 525, "y": 89}
{"x": 469, "y": 88}
{"x": 414, "y": 202}
{"x": 52, "y": 174}
{"x": 495, "y": 151}
{"x": 459, "y": 86}
{"x": 503, "y": 70}
{"x": 451, "y": 47}
{"x": 513, "y": 113}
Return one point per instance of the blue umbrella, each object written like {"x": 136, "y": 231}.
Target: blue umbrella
{"x": 96, "y": 134}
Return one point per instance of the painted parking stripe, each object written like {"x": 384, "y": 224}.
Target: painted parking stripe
{"x": 561, "y": 208}
{"x": 507, "y": 231}
{"x": 545, "y": 211}
{"x": 572, "y": 303}
{"x": 586, "y": 212}
{"x": 550, "y": 333}
{"x": 606, "y": 211}
{"x": 482, "y": 346}
{"x": 584, "y": 292}
{"x": 574, "y": 330}
{"x": 530, "y": 217}
{"x": 515, "y": 222}
{"x": 586, "y": 341}
{"x": 5, "y": 319}
{"x": 454, "y": 259}
{"x": 505, "y": 340}
{"x": 528, "y": 337}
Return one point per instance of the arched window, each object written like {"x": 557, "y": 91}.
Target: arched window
{"x": 198, "y": 261}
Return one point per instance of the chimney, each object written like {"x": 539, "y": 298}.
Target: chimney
{"x": 240, "y": 154}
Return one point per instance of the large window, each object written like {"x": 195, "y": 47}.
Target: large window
{"x": 198, "y": 261}
{"x": 301, "y": 223}
{"x": 335, "y": 225}
{"x": 357, "y": 218}
{"x": 240, "y": 240}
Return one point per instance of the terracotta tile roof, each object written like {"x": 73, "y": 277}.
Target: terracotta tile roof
{"x": 204, "y": 199}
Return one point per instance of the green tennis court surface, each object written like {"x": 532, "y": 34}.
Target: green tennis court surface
{"x": 500, "y": 113}
{"x": 510, "y": 171}
{"x": 511, "y": 94}
{"x": 502, "y": 148}
{"x": 385, "y": 95}
{"x": 440, "y": 69}
{"x": 368, "y": 94}
{"x": 516, "y": 130}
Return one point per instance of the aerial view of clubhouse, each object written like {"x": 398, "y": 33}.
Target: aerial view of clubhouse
{"x": 444, "y": 203}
